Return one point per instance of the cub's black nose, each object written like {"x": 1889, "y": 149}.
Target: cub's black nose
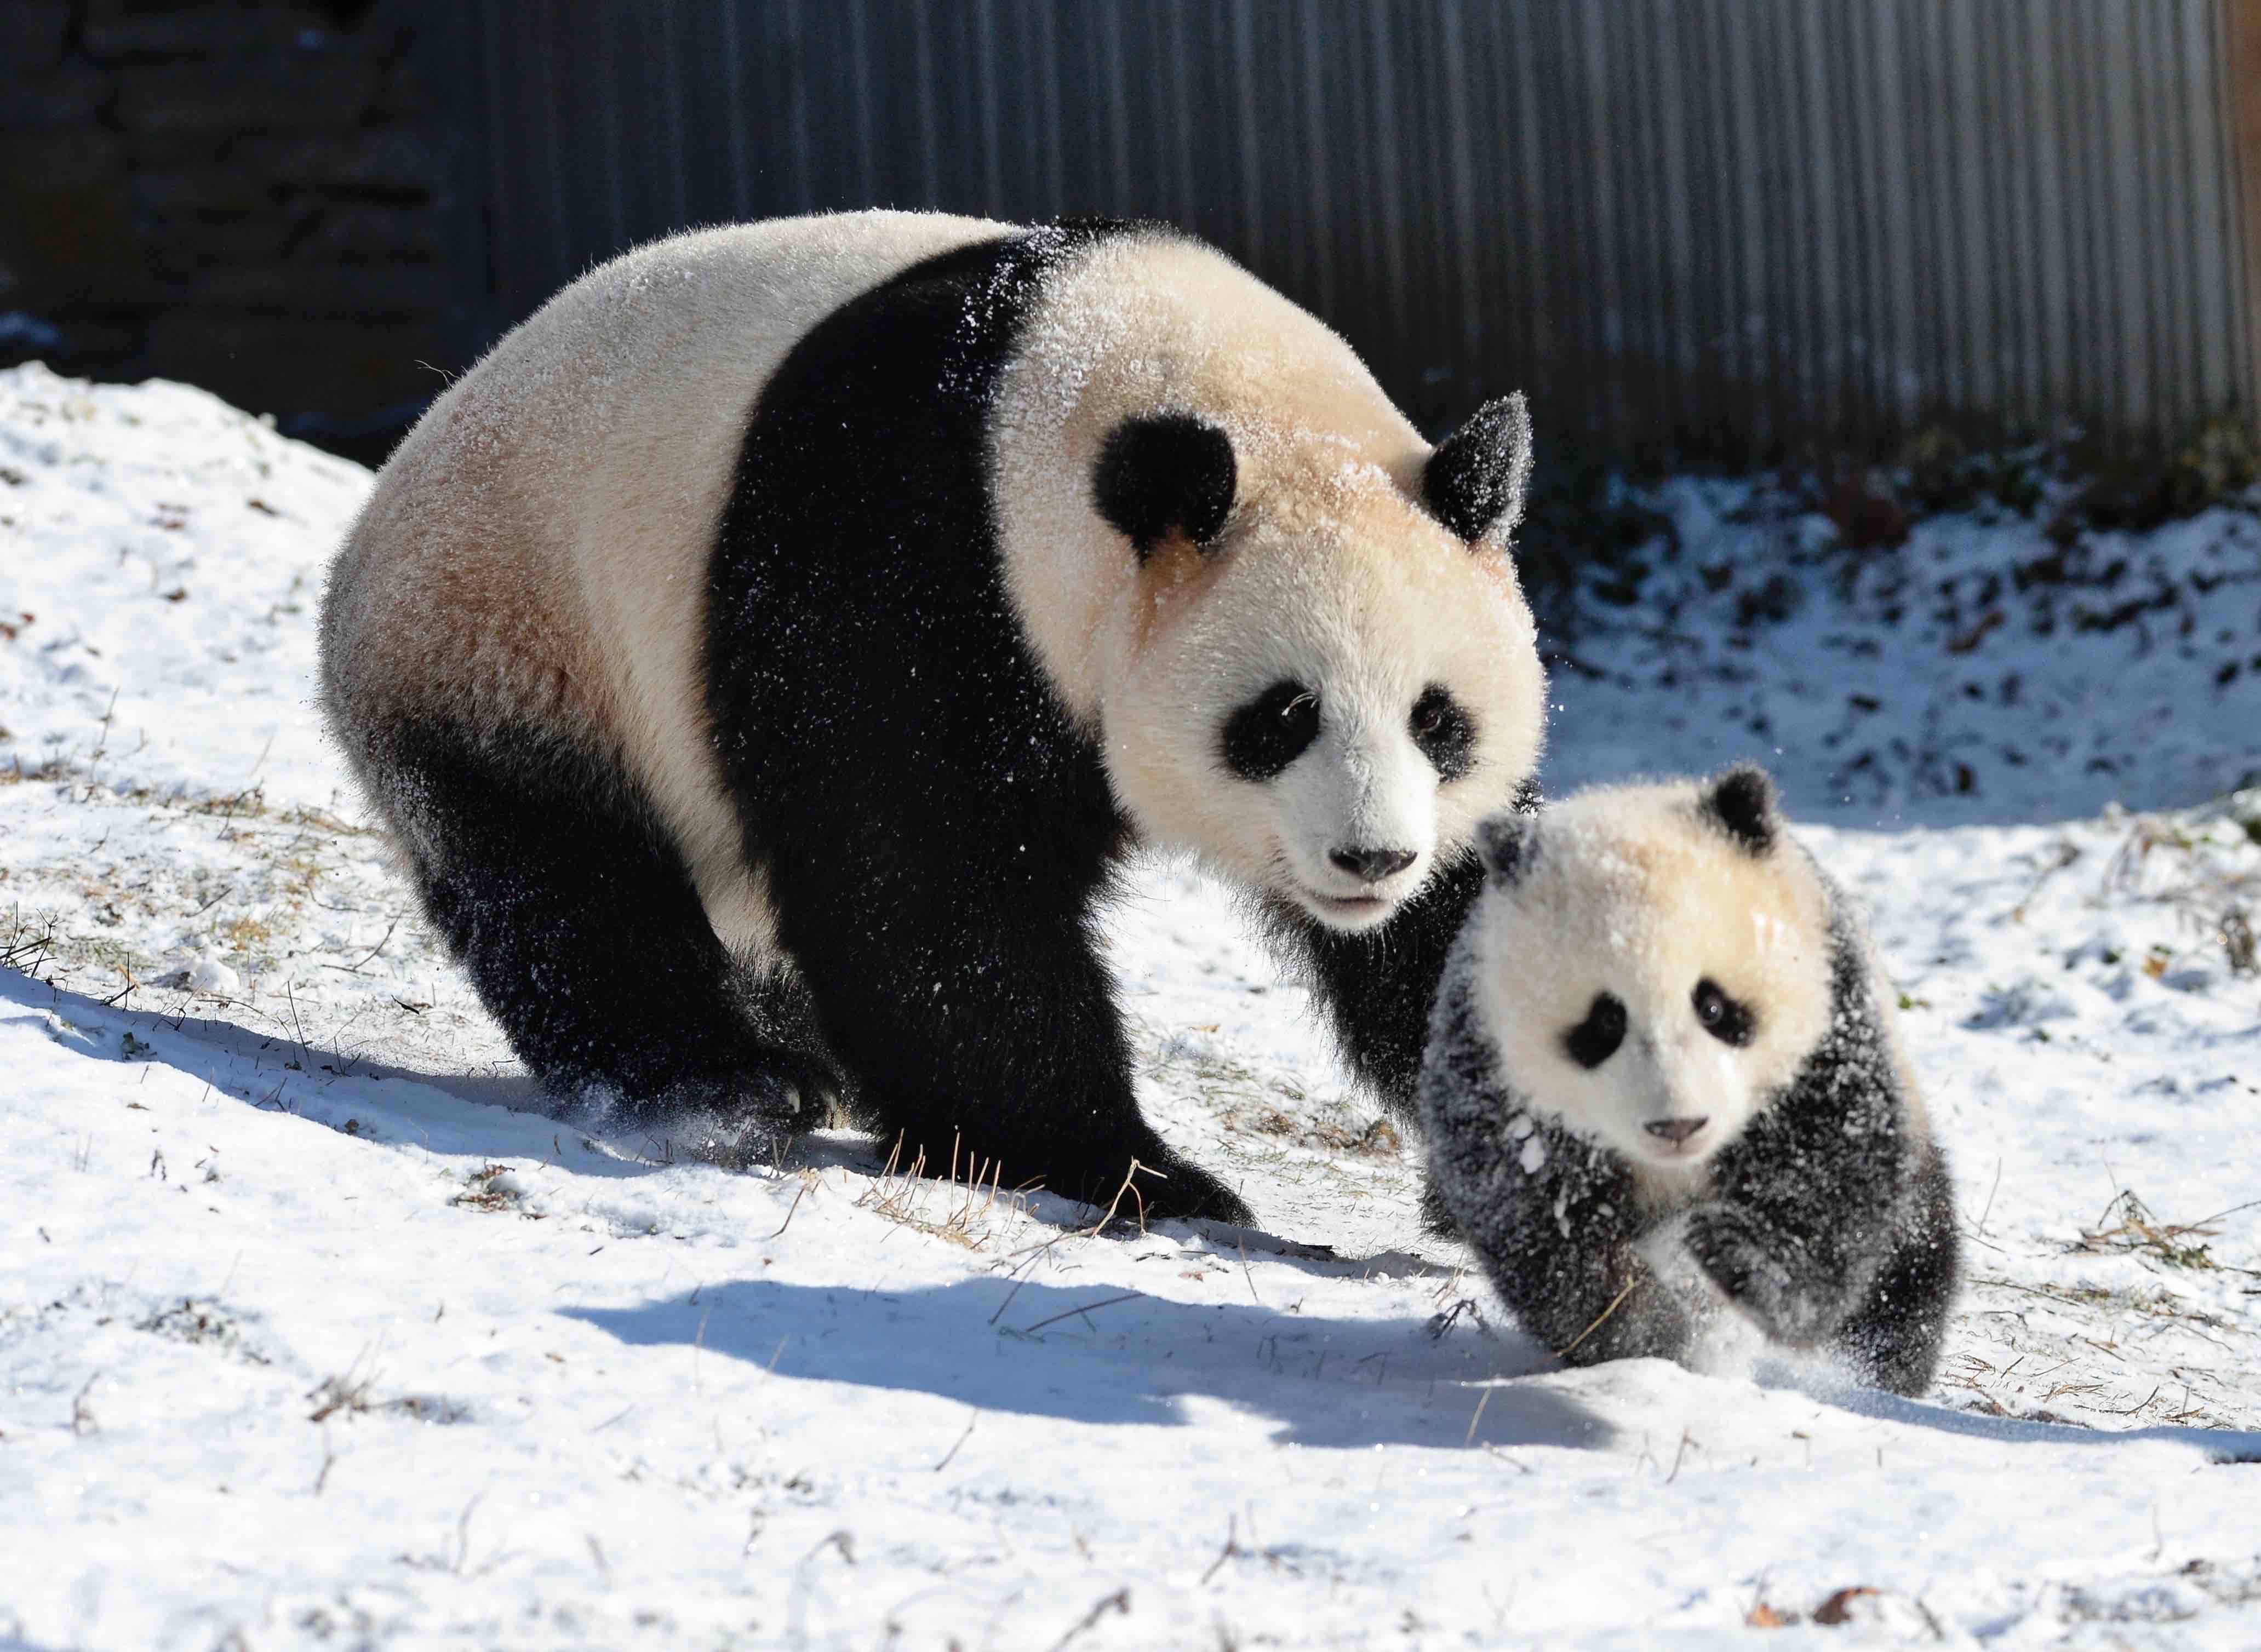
{"x": 1373, "y": 865}
{"x": 1675, "y": 1130}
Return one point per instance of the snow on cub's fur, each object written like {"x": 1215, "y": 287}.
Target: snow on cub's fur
{"x": 1662, "y": 1040}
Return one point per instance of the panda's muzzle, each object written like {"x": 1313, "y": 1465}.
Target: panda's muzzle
{"x": 1371, "y": 865}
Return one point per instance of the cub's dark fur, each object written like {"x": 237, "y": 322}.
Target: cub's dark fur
{"x": 1829, "y": 1220}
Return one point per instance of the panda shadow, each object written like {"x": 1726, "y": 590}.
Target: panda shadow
{"x": 495, "y": 1117}
{"x": 500, "y": 1116}
{"x": 1085, "y": 1353}
{"x": 873, "y": 1155}
{"x": 2222, "y": 1446}
{"x": 504, "y": 1115}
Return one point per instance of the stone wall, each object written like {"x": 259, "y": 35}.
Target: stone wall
{"x": 260, "y": 198}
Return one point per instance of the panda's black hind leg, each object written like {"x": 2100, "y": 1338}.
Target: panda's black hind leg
{"x": 561, "y": 895}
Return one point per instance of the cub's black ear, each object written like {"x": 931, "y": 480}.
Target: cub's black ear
{"x": 1506, "y": 842}
{"x": 1163, "y": 473}
{"x": 1475, "y": 482}
{"x": 1741, "y": 802}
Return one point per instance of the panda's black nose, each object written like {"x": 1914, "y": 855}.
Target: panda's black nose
{"x": 1373, "y": 865}
{"x": 1675, "y": 1130}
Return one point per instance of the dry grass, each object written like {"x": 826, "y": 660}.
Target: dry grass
{"x": 1379, "y": 1139}
{"x": 350, "y": 1393}
{"x": 246, "y": 935}
{"x": 347, "y": 1392}
{"x": 966, "y": 1207}
{"x": 1276, "y": 1108}
{"x": 201, "y": 1324}
{"x": 27, "y": 948}
{"x": 2205, "y": 867}
{"x": 2100, "y": 1357}
{"x": 2138, "y": 1231}
{"x": 484, "y": 1193}
{"x": 310, "y": 919}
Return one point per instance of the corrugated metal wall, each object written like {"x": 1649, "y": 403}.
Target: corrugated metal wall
{"x": 1718, "y": 226}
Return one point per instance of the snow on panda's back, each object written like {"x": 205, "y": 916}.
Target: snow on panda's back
{"x": 536, "y": 550}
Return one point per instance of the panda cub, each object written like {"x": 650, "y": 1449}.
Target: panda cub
{"x": 1662, "y": 1071}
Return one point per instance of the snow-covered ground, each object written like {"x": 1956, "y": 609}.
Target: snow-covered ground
{"x": 312, "y": 1336}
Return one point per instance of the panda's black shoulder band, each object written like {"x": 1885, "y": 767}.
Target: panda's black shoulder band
{"x": 1163, "y": 473}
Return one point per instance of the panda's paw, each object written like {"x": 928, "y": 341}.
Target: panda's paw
{"x": 755, "y": 1108}
{"x": 1730, "y": 1248}
{"x": 1436, "y": 1216}
{"x": 1168, "y": 1187}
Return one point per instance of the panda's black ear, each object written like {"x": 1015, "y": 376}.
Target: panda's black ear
{"x": 1164, "y": 474}
{"x": 1505, "y": 842}
{"x": 1741, "y": 802}
{"x": 1473, "y": 483}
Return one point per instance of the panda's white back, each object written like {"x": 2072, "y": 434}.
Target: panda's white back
{"x": 536, "y": 549}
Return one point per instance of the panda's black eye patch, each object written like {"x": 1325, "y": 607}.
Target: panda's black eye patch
{"x": 1596, "y": 1038}
{"x": 1723, "y": 1018}
{"x": 1446, "y": 734}
{"x": 1264, "y": 736}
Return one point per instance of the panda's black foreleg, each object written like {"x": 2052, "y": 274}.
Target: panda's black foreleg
{"x": 1551, "y": 1217}
{"x": 1586, "y": 1295}
{"x": 1832, "y": 1223}
{"x": 1893, "y": 1338}
{"x": 559, "y": 892}
{"x": 1806, "y": 1206}
{"x": 979, "y": 1021}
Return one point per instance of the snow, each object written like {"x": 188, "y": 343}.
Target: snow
{"x": 315, "y": 1335}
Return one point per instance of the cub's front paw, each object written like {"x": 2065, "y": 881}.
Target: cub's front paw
{"x": 1732, "y": 1250}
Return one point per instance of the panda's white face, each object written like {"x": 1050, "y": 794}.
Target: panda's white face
{"x": 1323, "y": 707}
{"x": 1648, "y": 979}
{"x": 1343, "y": 775}
{"x": 1268, "y": 598}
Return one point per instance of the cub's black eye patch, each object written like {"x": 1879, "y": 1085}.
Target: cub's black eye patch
{"x": 1446, "y": 734}
{"x": 1723, "y": 1018}
{"x": 1264, "y": 736}
{"x": 1596, "y": 1038}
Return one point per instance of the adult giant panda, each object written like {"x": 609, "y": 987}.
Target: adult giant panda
{"x": 769, "y": 653}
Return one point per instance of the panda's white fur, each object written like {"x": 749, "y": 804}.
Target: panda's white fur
{"x": 1635, "y": 895}
{"x": 538, "y": 569}
{"x": 583, "y": 467}
{"x": 536, "y": 548}
{"x": 1664, "y": 1050}
{"x": 1327, "y": 568}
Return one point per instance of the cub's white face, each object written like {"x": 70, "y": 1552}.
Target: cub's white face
{"x": 1647, "y": 978}
{"x": 1323, "y": 707}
